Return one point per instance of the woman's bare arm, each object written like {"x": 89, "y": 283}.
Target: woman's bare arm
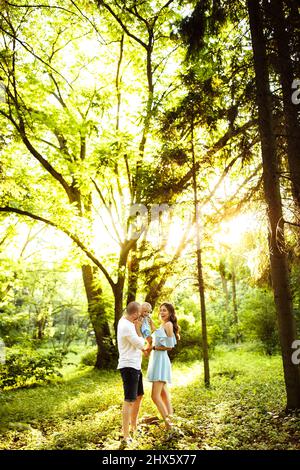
{"x": 153, "y": 327}
{"x": 169, "y": 329}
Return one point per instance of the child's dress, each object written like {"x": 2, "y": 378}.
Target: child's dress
{"x": 159, "y": 368}
{"x": 146, "y": 328}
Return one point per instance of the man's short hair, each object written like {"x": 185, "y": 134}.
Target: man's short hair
{"x": 132, "y": 307}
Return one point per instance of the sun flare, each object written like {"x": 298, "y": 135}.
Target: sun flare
{"x": 231, "y": 232}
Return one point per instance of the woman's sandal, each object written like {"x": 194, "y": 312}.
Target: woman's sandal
{"x": 169, "y": 423}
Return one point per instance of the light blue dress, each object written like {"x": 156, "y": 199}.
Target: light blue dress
{"x": 146, "y": 328}
{"x": 159, "y": 368}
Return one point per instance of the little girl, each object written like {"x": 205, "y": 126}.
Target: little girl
{"x": 147, "y": 324}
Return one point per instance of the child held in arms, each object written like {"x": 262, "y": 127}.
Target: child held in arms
{"x": 147, "y": 324}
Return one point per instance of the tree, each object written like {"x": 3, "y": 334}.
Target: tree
{"x": 44, "y": 135}
{"x": 278, "y": 259}
{"x": 59, "y": 120}
{"x": 285, "y": 35}
{"x": 199, "y": 264}
{"x": 211, "y": 107}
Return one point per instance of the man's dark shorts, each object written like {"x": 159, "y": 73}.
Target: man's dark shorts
{"x": 132, "y": 383}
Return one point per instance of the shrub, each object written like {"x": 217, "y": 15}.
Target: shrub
{"x": 13, "y": 327}
{"x": 26, "y": 368}
{"x": 258, "y": 320}
{"x": 189, "y": 348}
{"x": 89, "y": 359}
{"x": 188, "y": 354}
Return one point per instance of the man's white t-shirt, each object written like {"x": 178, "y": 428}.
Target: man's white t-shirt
{"x": 130, "y": 345}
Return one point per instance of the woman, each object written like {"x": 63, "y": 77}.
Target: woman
{"x": 159, "y": 368}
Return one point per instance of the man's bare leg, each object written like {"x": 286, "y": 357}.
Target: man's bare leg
{"x": 126, "y": 416}
{"x": 134, "y": 412}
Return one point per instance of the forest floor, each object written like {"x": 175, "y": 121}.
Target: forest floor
{"x": 243, "y": 409}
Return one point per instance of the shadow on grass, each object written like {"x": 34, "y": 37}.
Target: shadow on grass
{"x": 88, "y": 390}
{"x": 239, "y": 411}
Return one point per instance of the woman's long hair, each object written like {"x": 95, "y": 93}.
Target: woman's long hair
{"x": 173, "y": 318}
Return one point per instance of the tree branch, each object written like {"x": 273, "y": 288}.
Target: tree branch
{"x": 123, "y": 26}
{"x": 89, "y": 21}
{"x": 73, "y": 237}
{"x": 291, "y": 223}
{"x": 42, "y": 6}
{"x": 48, "y": 167}
{"x": 107, "y": 209}
{"x": 30, "y": 50}
{"x": 164, "y": 6}
{"x": 214, "y": 149}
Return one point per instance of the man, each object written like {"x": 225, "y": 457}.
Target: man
{"x": 130, "y": 346}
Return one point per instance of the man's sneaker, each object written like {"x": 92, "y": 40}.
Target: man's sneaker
{"x": 174, "y": 433}
{"x": 136, "y": 432}
{"x": 125, "y": 442}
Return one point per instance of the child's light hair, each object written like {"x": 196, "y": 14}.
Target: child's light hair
{"x": 146, "y": 304}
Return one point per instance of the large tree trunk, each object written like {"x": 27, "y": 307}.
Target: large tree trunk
{"x": 133, "y": 273}
{"x": 156, "y": 286}
{"x": 39, "y": 327}
{"x": 106, "y": 351}
{"x": 119, "y": 286}
{"x": 118, "y": 293}
{"x": 292, "y": 123}
{"x": 200, "y": 280}
{"x": 278, "y": 259}
{"x": 152, "y": 295}
{"x": 203, "y": 317}
{"x": 234, "y": 303}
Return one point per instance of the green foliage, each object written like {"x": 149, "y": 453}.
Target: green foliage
{"x": 241, "y": 410}
{"x": 258, "y": 320}
{"x": 189, "y": 348}
{"x": 40, "y": 301}
{"x": 27, "y": 368}
{"x": 89, "y": 358}
{"x": 295, "y": 276}
{"x": 85, "y": 135}
{"x": 13, "y": 327}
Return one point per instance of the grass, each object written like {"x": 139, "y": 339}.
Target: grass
{"x": 241, "y": 410}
